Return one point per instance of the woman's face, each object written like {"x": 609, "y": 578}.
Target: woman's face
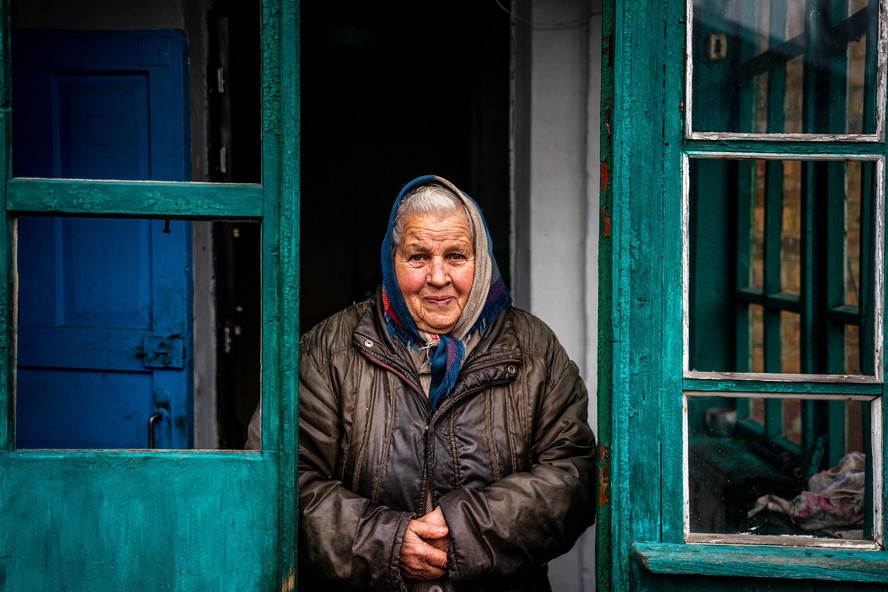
{"x": 435, "y": 267}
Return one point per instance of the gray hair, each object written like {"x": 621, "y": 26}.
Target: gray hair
{"x": 427, "y": 200}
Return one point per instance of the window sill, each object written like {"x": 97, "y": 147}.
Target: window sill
{"x": 763, "y": 562}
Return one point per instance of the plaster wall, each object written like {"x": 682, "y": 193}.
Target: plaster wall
{"x": 559, "y": 213}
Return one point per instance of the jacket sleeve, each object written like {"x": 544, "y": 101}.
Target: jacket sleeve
{"x": 342, "y": 536}
{"x": 527, "y": 518}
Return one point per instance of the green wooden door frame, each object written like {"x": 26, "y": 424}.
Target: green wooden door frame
{"x": 172, "y": 520}
{"x": 641, "y": 541}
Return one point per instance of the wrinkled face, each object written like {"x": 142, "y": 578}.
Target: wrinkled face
{"x": 435, "y": 267}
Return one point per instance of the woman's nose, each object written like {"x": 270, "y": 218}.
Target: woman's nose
{"x": 438, "y": 275}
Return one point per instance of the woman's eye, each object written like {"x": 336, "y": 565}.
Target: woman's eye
{"x": 415, "y": 257}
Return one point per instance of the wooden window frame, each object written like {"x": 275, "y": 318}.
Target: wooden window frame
{"x": 657, "y": 543}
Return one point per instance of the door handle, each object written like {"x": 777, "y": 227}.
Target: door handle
{"x": 152, "y": 422}
{"x": 161, "y": 413}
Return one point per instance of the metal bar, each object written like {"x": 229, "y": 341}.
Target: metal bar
{"x": 744, "y": 248}
{"x": 772, "y": 256}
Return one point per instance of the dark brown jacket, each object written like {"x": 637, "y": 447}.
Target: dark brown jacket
{"x": 509, "y": 456}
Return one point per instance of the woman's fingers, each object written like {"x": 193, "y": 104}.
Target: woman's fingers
{"x": 419, "y": 559}
{"x": 436, "y": 517}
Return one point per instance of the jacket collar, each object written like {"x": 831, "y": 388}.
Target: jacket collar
{"x": 496, "y": 358}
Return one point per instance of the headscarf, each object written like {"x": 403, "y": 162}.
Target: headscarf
{"x": 487, "y": 298}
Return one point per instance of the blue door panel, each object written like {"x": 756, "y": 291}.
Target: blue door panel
{"x": 113, "y": 286}
{"x": 94, "y": 250}
{"x": 104, "y": 317}
{"x": 109, "y": 115}
{"x": 92, "y": 409}
{"x": 56, "y": 74}
{"x": 67, "y": 288}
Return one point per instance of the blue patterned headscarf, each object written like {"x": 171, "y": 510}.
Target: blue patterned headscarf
{"x": 487, "y": 298}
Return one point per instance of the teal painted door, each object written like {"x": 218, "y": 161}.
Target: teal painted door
{"x": 98, "y": 298}
{"x": 742, "y": 320}
{"x": 102, "y": 520}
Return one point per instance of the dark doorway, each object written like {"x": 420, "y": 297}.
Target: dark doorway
{"x": 235, "y": 156}
{"x": 389, "y": 92}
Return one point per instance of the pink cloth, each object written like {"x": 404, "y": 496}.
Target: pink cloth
{"x": 833, "y": 501}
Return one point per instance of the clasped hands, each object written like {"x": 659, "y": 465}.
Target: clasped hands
{"x": 424, "y": 550}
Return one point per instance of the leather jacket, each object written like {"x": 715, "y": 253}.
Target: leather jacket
{"x": 508, "y": 456}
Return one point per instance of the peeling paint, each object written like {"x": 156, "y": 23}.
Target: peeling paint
{"x": 290, "y": 583}
{"x": 605, "y": 177}
{"x": 603, "y": 475}
{"x": 607, "y": 122}
{"x": 605, "y": 230}
{"x": 607, "y": 52}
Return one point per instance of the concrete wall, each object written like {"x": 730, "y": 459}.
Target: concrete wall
{"x": 556, "y": 196}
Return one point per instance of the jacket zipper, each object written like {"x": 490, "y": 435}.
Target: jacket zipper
{"x": 425, "y": 486}
{"x": 447, "y": 404}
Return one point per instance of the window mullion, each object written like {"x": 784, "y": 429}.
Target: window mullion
{"x": 776, "y": 94}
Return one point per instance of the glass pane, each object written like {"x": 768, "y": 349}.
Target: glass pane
{"x": 852, "y": 234}
{"x": 775, "y": 257}
{"x": 791, "y": 415}
{"x": 791, "y": 229}
{"x": 757, "y": 337}
{"x": 136, "y": 103}
{"x": 135, "y": 333}
{"x": 768, "y": 67}
{"x": 742, "y": 482}
{"x": 852, "y": 349}
{"x": 790, "y": 346}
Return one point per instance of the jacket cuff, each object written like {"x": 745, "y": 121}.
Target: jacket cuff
{"x": 395, "y": 579}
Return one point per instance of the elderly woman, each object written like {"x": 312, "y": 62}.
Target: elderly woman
{"x": 443, "y": 439}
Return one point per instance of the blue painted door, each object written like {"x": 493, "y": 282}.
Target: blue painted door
{"x": 104, "y": 324}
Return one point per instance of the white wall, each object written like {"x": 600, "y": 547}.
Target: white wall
{"x": 556, "y": 163}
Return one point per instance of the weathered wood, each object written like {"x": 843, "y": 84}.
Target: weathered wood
{"x": 91, "y": 521}
{"x": 608, "y": 527}
{"x": 645, "y": 157}
{"x": 776, "y": 147}
{"x": 151, "y": 199}
{"x": 167, "y": 520}
{"x": 281, "y": 342}
{"x": 754, "y": 561}
{"x": 782, "y": 383}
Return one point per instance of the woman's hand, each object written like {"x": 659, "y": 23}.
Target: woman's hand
{"x": 436, "y": 517}
{"x": 424, "y": 551}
